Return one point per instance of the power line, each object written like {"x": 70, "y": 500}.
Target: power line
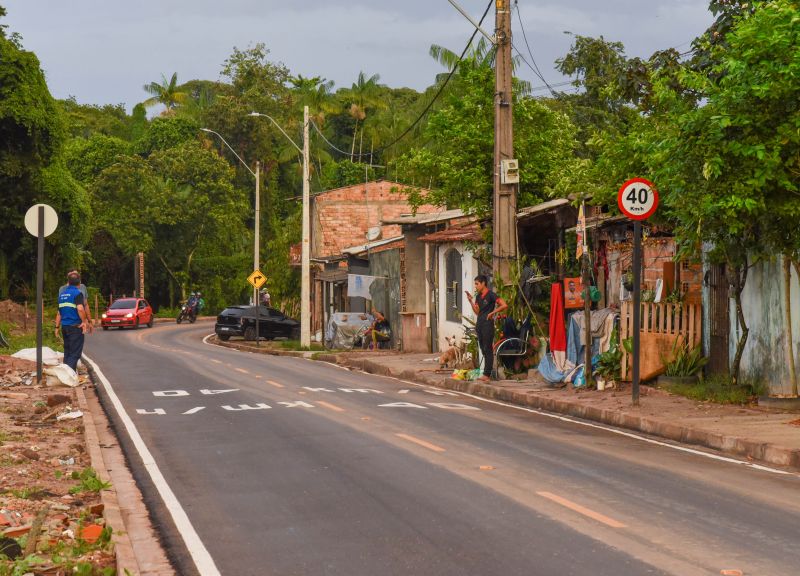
{"x": 535, "y": 66}
{"x": 433, "y": 100}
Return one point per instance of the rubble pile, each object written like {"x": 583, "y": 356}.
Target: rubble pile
{"x": 50, "y": 505}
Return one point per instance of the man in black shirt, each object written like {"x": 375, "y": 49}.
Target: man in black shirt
{"x": 487, "y": 305}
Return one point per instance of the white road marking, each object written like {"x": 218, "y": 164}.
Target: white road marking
{"x": 170, "y": 393}
{"x": 401, "y": 405}
{"x": 298, "y": 404}
{"x": 195, "y": 410}
{"x": 573, "y": 421}
{"x": 258, "y": 406}
{"x": 361, "y": 390}
{"x": 159, "y": 411}
{"x": 202, "y": 559}
{"x": 404, "y": 391}
{"x": 452, "y": 406}
{"x": 310, "y": 389}
{"x": 208, "y": 392}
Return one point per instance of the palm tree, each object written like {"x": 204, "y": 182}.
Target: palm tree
{"x": 316, "y": 93}
{"x": 480, "y": 55}
{"x": 364, "y": 94}
{"x": 166, "y": 93}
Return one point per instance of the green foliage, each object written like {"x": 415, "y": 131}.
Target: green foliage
{"x": 86, "y": 158}
{"x": 167, "y": 132}
{"x": 457, "y": 163}
{"x": 609, "y": 363}
{"x": 89, "y": 482}
{"x": 721, "y": 390}
{"x": 686, "y": 361}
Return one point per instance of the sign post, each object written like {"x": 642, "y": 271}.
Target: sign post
{"x": 41, "y": 221}
{"x": 638, "y": 200}
{"x": 257, "y": 280}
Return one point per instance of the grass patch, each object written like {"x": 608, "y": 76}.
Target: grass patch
{"x": 720, "y": 390}
{"x": 28, "y": 493}
{"x": 28, "y": 340}
{"x": 295, "y": 345}
{"x": 165, "y": 312}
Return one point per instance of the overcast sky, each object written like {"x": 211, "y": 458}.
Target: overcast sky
{"x": 102, "y": 52}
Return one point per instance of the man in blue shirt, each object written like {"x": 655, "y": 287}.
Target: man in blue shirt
{"x": 86, "y": 305}
{"x": 71, "y": 317}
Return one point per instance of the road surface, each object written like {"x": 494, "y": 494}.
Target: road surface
{"x": 285, "y": 466}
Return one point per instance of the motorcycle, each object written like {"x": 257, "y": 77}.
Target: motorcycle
{"x": 187, "y": 313}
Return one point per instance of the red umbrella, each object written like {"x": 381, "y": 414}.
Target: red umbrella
{"x": 558, "y": 332}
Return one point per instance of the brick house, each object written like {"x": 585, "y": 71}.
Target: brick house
{"x": 342, "y": 220}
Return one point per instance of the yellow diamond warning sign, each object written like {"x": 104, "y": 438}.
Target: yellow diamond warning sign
{"x": 257, "y": 279}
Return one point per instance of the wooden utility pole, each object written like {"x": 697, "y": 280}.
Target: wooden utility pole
{"x": 504, "y": 241}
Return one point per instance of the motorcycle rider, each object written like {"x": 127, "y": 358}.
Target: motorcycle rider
{"x": 193, "y": 303}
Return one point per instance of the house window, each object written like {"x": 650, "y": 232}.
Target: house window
{"x": 453, "y": 285}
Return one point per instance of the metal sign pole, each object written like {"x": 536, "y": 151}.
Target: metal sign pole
{"x": 39, "y": 292}
{"x": 637, "y": 305}
{"x": 258, "y": 318}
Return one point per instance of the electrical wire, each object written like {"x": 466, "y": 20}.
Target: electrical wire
{"x": 535, "y": 66}
{"x": 433, "y": 100}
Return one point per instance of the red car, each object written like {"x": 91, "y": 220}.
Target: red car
{"x": 124, "y": 312}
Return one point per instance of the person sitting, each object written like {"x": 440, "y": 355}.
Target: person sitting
{"x": 379, "y": 334}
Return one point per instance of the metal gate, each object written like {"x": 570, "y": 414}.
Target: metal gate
{"x": 719, "y": 315}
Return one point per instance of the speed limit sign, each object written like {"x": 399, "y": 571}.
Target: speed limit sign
{"x": 638, "y": 199}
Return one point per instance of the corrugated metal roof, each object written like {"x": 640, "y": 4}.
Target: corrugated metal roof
{"x": 465, "y": 233}
{"x": 427, "y": 218}
{"x": 543, "y": 207}
{"x": 353, "y": 250}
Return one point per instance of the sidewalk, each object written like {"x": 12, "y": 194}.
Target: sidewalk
{"x": 769, "y": 436}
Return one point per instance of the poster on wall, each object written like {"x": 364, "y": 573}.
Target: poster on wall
{"x": 572, "y": 293}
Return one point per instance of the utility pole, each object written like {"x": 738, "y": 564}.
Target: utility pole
{"x": 305, "y": 284}
{"x": 504, "y": 241}
{"x": 257, "y": 240}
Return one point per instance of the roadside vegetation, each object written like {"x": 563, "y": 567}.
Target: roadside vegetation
{"x": 721, "y": 390}
{"x": 714, "y": 126}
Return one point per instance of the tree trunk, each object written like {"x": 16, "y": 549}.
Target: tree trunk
{"x": 178, "y": 282}
{"x": 739, "y": 279}
{"x": 787, "y": 285}
{"x": 361, "y": 144}
{"x": 353, "y": 147}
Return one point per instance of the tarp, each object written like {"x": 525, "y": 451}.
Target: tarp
{"x": 49, "y": 356}
{"x": 344, "y": 327}
{"x": 358, "y": 285}
{"x": 558, "y": 333}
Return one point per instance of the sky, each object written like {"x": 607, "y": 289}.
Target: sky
{"x": 103, "y": 52}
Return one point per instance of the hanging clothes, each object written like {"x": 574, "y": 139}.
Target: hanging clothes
{"x": 558, "y": 333}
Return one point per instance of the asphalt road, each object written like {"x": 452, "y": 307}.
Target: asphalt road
{"x": 288, "y": 466}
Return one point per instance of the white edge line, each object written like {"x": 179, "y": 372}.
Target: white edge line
{"x": 573, "y": 421}
{"x": 202, "y": 559}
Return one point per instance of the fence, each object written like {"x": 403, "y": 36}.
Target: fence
{"x": 661, "y": 325}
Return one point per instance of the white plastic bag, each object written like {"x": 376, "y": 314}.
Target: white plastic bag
{"x": 49, "y": 356}
{"x": 61, "y": 375}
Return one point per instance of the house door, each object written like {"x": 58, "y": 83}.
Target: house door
{"x": 719, "y": 313}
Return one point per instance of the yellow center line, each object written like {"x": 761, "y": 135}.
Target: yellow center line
{"x": 242, "y": 370}
{"x": 330, "y": 406}
{"x": 421, "y": 442}
{"x": 582, "y": 510}
{"x": 276, "y": 384}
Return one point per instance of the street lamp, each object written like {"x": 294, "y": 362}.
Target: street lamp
{"x": 256, "y": 175}
{"x": 305, "y": 282}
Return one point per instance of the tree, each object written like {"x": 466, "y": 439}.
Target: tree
{"x": 457, "y": 162}
{"x": 165, "y": 93}
{"x": 363, "y": 95}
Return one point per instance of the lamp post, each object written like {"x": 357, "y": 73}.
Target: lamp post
{"x": 305, "y": 282}
{"x": 257, "y": 233}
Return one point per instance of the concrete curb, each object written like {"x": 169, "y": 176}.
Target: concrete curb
{"x": 734, "y": 445}
{"x": 123, "y": 549}
{"x": 239, "y": 345}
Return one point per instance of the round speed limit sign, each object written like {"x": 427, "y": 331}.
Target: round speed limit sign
{"x": 638, "y": 199}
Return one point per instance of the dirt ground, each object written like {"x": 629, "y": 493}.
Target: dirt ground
{"x": 17, "y": 315}
{"x": 49, "y": 501}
